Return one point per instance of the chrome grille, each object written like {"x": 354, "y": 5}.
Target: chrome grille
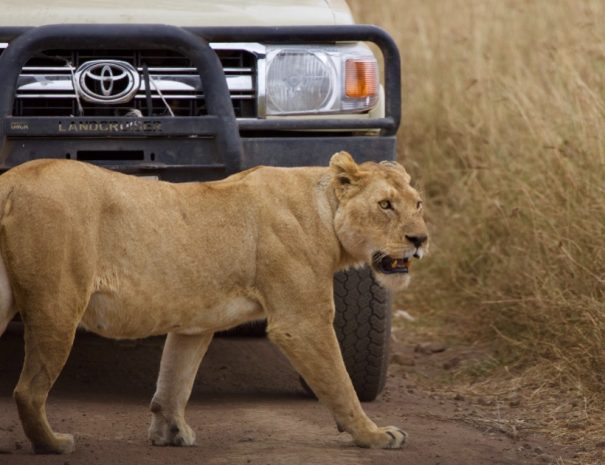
{"x": 45, "y": 86}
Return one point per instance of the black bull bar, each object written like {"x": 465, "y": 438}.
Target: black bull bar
{"x": 220, "y": 124}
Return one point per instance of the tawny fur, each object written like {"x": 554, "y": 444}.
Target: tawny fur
{"x": 126, "y": 257}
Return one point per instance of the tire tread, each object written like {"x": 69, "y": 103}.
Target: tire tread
{"x": 363, "y": 324}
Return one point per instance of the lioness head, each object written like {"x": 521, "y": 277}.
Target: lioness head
{"x": 379, "y": 219}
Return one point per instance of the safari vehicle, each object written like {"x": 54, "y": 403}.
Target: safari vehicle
{"x": 216, "y": 88}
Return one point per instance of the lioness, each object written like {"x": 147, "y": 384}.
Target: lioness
{"x": 127, "y": 257}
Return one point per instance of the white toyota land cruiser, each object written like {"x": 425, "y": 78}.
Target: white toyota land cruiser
{"x": 195, "y": 90}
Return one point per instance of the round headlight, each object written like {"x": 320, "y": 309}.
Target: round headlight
{"x": 299, "y": 81}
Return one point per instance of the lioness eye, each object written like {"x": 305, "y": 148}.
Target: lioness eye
{"x": 419, "y": 205}
{"x": 385, "y": 204}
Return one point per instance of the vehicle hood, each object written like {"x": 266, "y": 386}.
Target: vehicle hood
{"x": 177, "y": 12}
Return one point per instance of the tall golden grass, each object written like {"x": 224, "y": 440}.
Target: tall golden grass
{"x": 504, "y": 123}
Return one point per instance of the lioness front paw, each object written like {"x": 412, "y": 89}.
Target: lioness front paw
{"x": 61, "y": 444}
{"x": 389, "y": 437}
{"x": 165, "y": 433}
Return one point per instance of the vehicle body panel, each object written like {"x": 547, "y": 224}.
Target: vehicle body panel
{"x": 177, "y": 12}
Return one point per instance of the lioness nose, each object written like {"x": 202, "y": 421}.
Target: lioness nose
{"x": 417, "y": 240}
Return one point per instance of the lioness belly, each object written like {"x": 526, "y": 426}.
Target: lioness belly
{"x": 112, "y": 317}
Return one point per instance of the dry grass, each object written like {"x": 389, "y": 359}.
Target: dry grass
{"x": 504, "y": 123}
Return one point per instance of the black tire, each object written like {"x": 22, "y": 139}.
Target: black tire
{"x": 363, "y": 327}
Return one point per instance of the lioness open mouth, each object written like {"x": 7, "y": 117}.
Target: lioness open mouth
{"x": 390, "y": 265}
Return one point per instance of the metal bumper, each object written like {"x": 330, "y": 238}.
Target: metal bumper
{"x": 181, "y": 148}
{"x": 180, "y": 161}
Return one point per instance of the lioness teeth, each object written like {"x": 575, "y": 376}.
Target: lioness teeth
{"x": 400, "y": 263}
{"x": 389, "y": 264}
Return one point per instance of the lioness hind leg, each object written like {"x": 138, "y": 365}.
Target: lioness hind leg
{"x": 5, "y": 318}
{"x": 181, "y": 359}
{"x": 48, "y": 342}
{"x": 7, "y": 308}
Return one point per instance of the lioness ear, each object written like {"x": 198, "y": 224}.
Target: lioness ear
{"x": 344, "y": 167}
{"x": 397, "y": 166}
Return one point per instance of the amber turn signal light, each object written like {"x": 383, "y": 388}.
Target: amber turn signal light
{"x": 361, "y": 78}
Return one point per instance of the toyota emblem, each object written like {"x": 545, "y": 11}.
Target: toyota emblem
{"x": 107, "y": 81}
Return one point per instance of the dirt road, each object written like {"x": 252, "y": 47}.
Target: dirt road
{"x": 247, "y": 408}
